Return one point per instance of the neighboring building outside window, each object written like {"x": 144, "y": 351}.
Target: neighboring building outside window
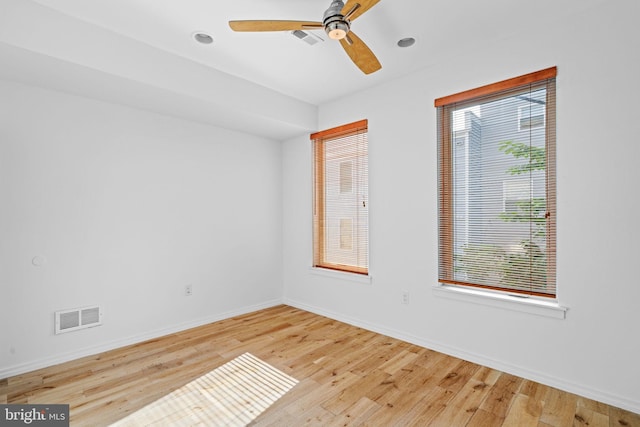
{"x": 496, "y": 168}
{"x": 531, "y": 115}
{"x": 341, "y": 198}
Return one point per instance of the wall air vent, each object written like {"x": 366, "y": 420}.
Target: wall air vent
{"x": 309, "y": 38}
{"x": 77, "y": 318}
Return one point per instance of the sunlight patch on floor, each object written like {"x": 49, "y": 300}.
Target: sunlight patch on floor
{"x": 232, "y": 395}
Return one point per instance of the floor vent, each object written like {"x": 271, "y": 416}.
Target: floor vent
{"x": 307, "y": 37}
{"x": 78, "y": 318}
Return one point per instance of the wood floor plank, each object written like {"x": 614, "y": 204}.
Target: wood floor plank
{"x": 277, "y": 413}
{"x": 593, "y": 405}
{"x": 355, "y": 392}
{"x": 458, "y": 376}
{"x": 536, "y": 391}
{"x": 320, "y": 394}
{"x": 435, "y": 401}
{"x": 587, "y": 417}
{"x": 501, "y": 395}
{"x": 390, "y": 412}
{"x": 621, "y": 418}
{"x": 467, "y": 400}
{"x": 523, "y": 413}
{"x": 346, "y": 376}
{"x": 357, "y": 413}
{"x": 398, "y": 362}
{"x": 4, "y": 386}
{"x": 559, "y": 408}
{"x": 316, "y": 416}
{"x": 482, "y": 418}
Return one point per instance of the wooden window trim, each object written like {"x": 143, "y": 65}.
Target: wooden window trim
{"x": 445, "y": 180}
{"x": 547, "y": 73}
{"x": 339, "y": 131}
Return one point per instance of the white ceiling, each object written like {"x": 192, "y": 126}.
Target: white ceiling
{"x": 279, "y": 61}
{"x": 103, "y": 36}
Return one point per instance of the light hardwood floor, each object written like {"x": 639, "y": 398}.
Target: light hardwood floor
{"x": 346, "y": 376}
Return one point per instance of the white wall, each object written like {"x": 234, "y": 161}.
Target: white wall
{"x": 594, "y": 351}
{"x": 127, "y": 207}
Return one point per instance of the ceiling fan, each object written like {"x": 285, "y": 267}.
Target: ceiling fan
{"x": 336, "y": 23}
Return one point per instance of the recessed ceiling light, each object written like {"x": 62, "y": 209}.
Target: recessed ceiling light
{"x": 406, "y": 42}
{"x": 203, "y": 38}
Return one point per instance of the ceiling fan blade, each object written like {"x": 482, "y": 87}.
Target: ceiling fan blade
{"x": 354, "y": 8}
{"x": 360, "y": 53}
{"x": 273, "y": 25}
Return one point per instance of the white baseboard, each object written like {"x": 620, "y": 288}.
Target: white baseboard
{"x": 10, "y": 371}
{"x": 542, "y": 378}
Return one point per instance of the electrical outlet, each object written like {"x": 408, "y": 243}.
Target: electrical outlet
{"x": 405, "y": 297}
{"x": 188, "y": 290}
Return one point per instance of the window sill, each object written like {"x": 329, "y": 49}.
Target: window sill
{"x": 496, "y": 299}
{"x": 342, "y": 275}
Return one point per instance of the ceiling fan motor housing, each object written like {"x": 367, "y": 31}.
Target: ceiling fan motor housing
{"x": 335, "y": 25}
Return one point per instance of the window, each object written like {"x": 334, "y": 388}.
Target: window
{"x": 341, "y": 205}
{"x": 496, "y": 186}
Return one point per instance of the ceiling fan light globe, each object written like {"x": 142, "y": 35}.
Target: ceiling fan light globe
{"x": 337, "y": 34}
{"x": 337, "y": 30}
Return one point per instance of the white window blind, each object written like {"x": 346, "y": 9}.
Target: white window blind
{"x": 497, "y": 186}
{"x": 341, "y": 205}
